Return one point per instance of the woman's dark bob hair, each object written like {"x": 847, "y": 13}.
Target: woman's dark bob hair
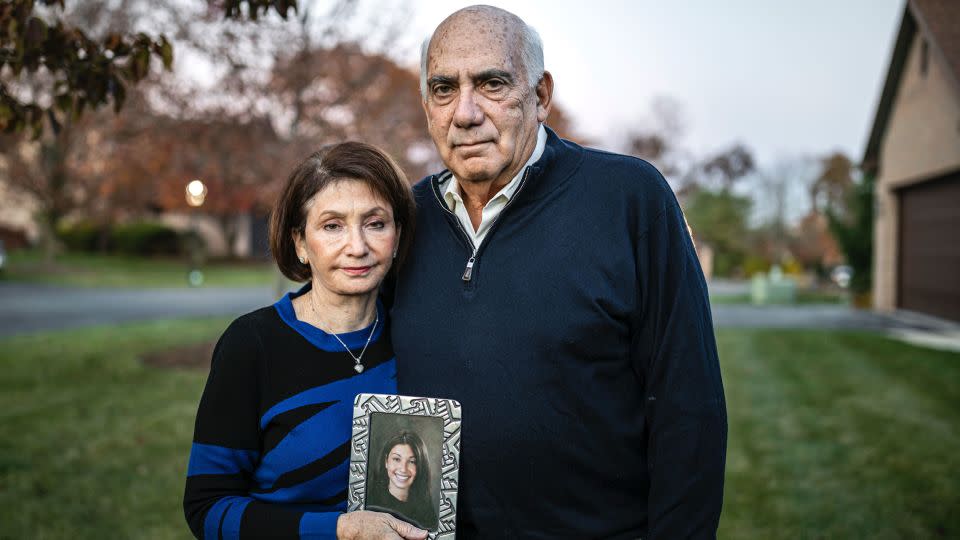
{"x": 353, "y": 161}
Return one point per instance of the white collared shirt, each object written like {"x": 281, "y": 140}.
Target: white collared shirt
{"x": 451, "y": 195}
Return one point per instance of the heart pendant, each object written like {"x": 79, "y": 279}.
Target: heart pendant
{"x": 358, "y": 368}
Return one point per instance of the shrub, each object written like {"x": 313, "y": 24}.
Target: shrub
{"x": 755, "y": 264}
{"x": 81, "y": 236}
{"x": 137, "y": 238}
{"x": 145, "y": 239}
{"x": 792, "y": 267}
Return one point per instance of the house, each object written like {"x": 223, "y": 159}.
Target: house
{"x": 18, "y": 227}
{"x": 913, "y": 152}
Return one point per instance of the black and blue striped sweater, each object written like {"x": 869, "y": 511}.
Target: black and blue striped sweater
{"x": 271, "y": 446}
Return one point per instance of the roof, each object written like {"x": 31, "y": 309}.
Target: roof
{"x": 939, "y": 23}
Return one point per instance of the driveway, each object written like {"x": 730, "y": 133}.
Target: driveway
{"x": 915, "y": 328}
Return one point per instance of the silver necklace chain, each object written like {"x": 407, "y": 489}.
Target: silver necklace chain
{"x": 358, "y": 366}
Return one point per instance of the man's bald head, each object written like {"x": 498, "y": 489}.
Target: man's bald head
{"x": 492, "y": 26}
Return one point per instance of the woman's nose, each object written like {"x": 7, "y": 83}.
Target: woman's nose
{"x": 357, "y": 242}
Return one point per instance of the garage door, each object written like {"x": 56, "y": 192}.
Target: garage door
{"x": 930, "y": 247}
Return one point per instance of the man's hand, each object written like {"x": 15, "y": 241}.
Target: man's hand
{"x": 366, "y": 525}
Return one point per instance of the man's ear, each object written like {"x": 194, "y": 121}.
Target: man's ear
{"x": 426, "y": 112}
{"x": 544, "y": 96}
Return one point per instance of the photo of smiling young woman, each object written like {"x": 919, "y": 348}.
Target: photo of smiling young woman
{"x": 403, "y": 467}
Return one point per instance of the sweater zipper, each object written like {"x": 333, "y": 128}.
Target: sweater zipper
{"x": 468, "y": 271}
{"x": 473, "y": 255}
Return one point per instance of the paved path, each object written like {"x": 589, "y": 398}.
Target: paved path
{"x": 802, "y": 316}
{"x": 31, "y": 308}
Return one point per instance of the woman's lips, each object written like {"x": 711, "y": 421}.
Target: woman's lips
{"x": 356, "y": 270}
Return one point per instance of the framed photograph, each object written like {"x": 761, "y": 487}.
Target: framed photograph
{"x": 405, "y": 460}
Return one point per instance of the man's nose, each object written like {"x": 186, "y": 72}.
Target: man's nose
{"x": 468, "y": 112}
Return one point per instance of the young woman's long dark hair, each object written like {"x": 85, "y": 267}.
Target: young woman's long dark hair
{"x": 420, "y": 490}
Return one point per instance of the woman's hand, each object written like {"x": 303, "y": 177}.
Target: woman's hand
{"x": 367, "y": 525}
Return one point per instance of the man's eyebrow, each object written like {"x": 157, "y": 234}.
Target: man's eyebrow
{"x": 441, "y": 79}
{"x": 484, "y": 75}
{"x": 488, "y": 74}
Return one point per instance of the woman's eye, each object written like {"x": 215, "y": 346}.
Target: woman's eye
{"x": 376, "y": 224}
{"x": 331, "y": 227}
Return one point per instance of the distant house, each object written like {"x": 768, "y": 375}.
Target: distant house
{"x": 18, "y": 227}
{"x": 914, "y": 154}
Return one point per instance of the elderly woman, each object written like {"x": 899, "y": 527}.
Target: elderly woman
{"x": 270, "y": 451}
{"x": 400, "y": 483}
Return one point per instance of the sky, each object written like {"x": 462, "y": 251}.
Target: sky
{"x": 784, "y": 78}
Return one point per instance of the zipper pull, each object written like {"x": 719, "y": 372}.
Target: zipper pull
{"x": 469, "y": 270}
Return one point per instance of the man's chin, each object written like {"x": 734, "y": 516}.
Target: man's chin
{"x": 473, "y": 170}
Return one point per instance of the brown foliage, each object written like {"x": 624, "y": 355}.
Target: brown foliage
{"x": 242, "y": 138}
{"x": 343, "y": 93}
{"x": 812, "y": 243}
{"x": 831, "y": 189}
{"x": 560, "y": 122}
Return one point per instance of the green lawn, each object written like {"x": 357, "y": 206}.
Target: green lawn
{"x": 87, "y": 270}
{"x": 839, "y": 435}
{"x": 832, "y": 435}
{"x": 93, "y": 444}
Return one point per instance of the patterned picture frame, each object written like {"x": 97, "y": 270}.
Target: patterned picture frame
{"x": 365, "y": 408}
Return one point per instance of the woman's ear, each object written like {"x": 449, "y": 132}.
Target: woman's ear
{"x": 299, "y": 248}
{"x": 396, "y": 242}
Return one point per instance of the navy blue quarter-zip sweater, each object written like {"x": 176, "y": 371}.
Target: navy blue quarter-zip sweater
{"x": 581, "y": 349}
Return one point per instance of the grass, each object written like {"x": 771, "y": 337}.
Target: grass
{"x": 89, "y": 270}
{"x": 839, "y": 435}
{"x": 93, "y": 444}
{"x": 832, "y": 434}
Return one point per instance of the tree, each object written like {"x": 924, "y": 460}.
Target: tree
{"x": 813, "y": 245}
{"x": 239, "y": 161}
{"x": 73, "y": 71}
{"x": 281, "y": 88}
{"x": 779, "y": 192}
{"x": 728, "y": 166}
{"x": 719, "y": 218}
{"x": 340, "y": 93}
{"x": 715, "y": 213}
{"x": 121, "y": 157}
{"x": 88, "y": 168}
{"x": 831, "y": 190}
{"x": 42, "y": 169}
{"x": 854, "y": 232}
{"x": 657, "y": 141}
{"x": 561, "y": 123}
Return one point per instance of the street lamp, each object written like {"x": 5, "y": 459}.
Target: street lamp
{"x": 196, "y": 193}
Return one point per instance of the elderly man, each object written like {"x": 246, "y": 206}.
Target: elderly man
{"x": 555, "y": 292}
